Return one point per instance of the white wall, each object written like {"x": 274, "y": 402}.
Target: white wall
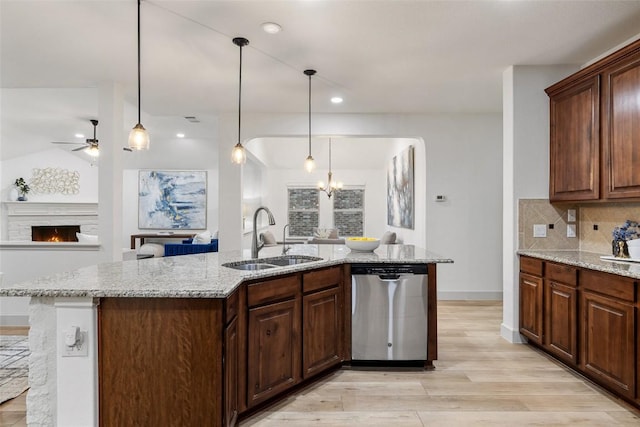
{"x": 54, "y": 158}
{"x": 462, "y": 158}
{"x": 525, "y": 166}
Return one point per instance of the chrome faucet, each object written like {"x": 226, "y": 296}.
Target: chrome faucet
{"x": 285, "y": 249}
{"x": 255, "y": 248}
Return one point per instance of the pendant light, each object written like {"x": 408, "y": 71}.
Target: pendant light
{"x": 309, "y": 163}
{"x": 239, "y": 154}
{"x": 138, "y": 137}
{"x": 332, "y": 186}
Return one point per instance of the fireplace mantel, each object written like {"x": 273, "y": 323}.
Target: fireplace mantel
{"x": 21, "y": 216}
{"x": 50, "y": 208}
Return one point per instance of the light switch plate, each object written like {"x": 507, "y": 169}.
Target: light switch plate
{"x": 571, "y": 215}
{"x": 539, "y": 230}
{"x": 571, "y": 230}
{"x": 81, "y": 349}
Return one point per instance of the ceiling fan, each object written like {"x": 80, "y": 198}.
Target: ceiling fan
{"x": 90, "y": 145}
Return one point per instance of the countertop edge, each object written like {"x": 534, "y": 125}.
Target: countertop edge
{"x": 588, "y": 260}
{"x": 232, "y": 282}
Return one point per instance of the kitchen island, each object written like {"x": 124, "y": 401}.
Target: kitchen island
{"x": 187, "y": 339}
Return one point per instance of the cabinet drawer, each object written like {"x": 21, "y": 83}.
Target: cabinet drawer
{"x": 273, "y": 290}
{"x": 608, "y": 284}
{"x": 321, "y": 279}
{"x": 531, "y": 265}
{"x": 561, "y": 273}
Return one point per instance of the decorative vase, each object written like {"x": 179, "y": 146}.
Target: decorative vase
{"x": 620, "y": 249}
{"x": 22, "y": 198}
{"x": 13, "y": 194}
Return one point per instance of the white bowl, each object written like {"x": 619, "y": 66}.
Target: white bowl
{"x": 357, "y": 244}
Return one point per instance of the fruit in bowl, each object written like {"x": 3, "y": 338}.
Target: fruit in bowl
{"x": 362, "y": 244}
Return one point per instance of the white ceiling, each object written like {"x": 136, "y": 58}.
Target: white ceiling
{"x": 385, "y": 56}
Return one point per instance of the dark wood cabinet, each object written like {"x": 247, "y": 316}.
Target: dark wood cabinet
{"x": 595, "y": 131}
{"x": 574, "y": 142}
{"x": 561, "y": 311}
{"x": 273, "y": 338}
{"x": 322, "y": 320}
{"x": 621, "y": 131}
{"x": 231, "y": 379}
{"x": 531, "y": 307}
{"x": 608, "y": 330}
{"x": 590, "y": 321}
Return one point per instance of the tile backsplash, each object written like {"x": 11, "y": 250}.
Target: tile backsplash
{"x": 604, "y": 217}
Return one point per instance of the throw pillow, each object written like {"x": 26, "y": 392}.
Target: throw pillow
{"x": 155, "y": 249}
{"x": 268, "y": 238}
{"x": 388, "y": 238}
{"x": 204, "y": 237}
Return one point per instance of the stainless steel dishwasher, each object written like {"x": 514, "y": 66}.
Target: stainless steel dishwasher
{"x": 389, "y": 312}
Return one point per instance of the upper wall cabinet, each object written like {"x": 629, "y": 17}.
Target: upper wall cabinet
{"x": 595, "y": 131}
{"x": 621, "y": 133}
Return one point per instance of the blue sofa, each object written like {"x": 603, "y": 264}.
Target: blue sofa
{"x": 187, "y": 248}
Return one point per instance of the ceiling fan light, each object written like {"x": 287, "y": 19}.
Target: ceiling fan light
{"x": 238, "y": 154}
{"x": 93, "y": 151}
{"x": 139, "y": 138}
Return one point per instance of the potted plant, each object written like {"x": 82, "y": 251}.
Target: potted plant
{"x": 23, "y": 189}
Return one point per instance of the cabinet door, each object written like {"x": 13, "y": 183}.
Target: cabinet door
{"x": 575, "y": 142}
{"x": 531, "y": 307}
{"x": 621, "y": 129}
{"x": 321, "y": 332}
{"x": 607, "y": 348}
{"x": 560, "y": 308}
{"x": 231, "y": 373}
{"x": 273, "y": 349}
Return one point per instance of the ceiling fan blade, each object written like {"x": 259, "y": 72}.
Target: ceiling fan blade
{"x": 127, "y": 149}
{"x": 65, "y": 142}
{"x": 80, "y": 148}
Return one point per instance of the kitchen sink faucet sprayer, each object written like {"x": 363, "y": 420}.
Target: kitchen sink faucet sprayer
{"x": 285, "y": 248}
{"x": 255, "y": 247}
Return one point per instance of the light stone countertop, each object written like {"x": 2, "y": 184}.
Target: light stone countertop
{"x": 588, "y": 260}
{"x": 199, "y": 275}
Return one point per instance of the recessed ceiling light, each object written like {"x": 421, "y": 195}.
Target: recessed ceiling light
{"x": 336, "y": 100}
{"x": 180, "y": 135}
{"x": 79, "y": 135}
{"x": 271, "y": 28}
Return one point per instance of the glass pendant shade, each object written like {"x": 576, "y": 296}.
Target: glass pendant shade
{"x": 309, "y": 164}
{"x": 238, "y": 154}
{"x": 139, "y": 138}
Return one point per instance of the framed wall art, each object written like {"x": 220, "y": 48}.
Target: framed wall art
{"x": 170, "y": 200}
{"x": 400, "y": 190}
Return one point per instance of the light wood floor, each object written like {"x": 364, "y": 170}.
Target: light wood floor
{"x": 480, "y": 380}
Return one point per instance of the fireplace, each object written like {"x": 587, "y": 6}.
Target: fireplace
{"x": 54, "y": 233}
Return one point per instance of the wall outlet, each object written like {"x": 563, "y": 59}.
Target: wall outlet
{"x": 571, "y": 215}
{"x": 539, "y": 230}
{"x": 571, "y": 230}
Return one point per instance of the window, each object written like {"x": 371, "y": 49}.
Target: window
{"x": 348, "y": 211}
{"x": 304, "y": 211}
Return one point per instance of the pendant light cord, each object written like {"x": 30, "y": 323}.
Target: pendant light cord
{"x": 240, "y": 96}
{"x": 329, "y": 155}
{"x": 310, "y": 113}
{"x": 139, "y": 91}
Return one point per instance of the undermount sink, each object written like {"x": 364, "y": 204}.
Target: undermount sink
{"x": 266, "y": 263}
{"x": 251, "y": 266}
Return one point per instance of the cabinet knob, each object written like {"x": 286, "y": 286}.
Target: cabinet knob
{"x": 268, "y": 332}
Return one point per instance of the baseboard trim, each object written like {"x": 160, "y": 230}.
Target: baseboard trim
{"x": 14, "y": 320}
{"x": 511, "y": 335}
{"x": 470, "y": 295}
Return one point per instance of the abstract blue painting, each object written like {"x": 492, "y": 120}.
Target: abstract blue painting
{"x": 169, "y": 200}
